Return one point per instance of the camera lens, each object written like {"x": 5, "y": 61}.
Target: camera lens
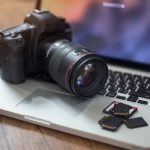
{"x": 74, "y": 67}
{"x": 87, "y": 76}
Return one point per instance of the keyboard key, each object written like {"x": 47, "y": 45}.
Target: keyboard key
{"x": 138, "y": 77}
{"x": 132, "y": 98}
{"x": 132, "y": 93}
{"x": 140, "y": 94}
{"x": 131, "y": 88}
{"x": 144, "y": 91}
{"x": 123, "y": 91}
{"x": 142, "y": 85}
{"x": 143, "y": 94}
{"x": 122, "y": 85}
{"x": 111, "y": 83}
{"x": 143, "y": 102}
{"x": 121, "y": 97}
{"x": 146, "y": 79}
{"x": 111, "y": 94}
{"x": 112, "y": 88}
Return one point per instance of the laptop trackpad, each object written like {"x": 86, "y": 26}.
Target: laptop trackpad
{"x": 54, "y": 106}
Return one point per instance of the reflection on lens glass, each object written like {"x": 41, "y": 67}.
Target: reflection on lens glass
{"x": 86, "y": 76}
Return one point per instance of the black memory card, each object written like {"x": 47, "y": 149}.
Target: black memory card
{"x": 135, "y": 122}
{"x": 120, "y": 109}
{"x": 110, "y": 122}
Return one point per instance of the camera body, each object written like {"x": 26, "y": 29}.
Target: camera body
{"x": 42, "y": 46}
{"x": 18, "y": 45}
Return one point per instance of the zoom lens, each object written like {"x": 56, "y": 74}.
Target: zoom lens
{"x": 74, "y": 68}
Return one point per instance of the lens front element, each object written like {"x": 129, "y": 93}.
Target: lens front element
{"x": 87, "y": 75}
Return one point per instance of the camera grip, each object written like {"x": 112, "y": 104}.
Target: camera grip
{"x": 12, "y": 66}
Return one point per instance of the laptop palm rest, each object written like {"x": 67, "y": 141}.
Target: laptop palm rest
{"x": 55, "y": 106}
{"x": 67, "y": 113}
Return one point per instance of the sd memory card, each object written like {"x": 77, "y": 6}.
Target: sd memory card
{"x": 120, "y": 109}
{"x": 110, "y": 122}
{"x": 135, "y": 122}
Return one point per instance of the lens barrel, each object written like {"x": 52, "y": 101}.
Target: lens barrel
{"x": 74, "y": 67}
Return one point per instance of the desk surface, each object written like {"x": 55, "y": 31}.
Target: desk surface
{"x": 18, "y": 135}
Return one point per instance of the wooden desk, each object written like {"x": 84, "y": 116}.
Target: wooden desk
{"x": 19, "y": 135}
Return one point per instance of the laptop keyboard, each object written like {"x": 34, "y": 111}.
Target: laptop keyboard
{"x": 126, "y": 86}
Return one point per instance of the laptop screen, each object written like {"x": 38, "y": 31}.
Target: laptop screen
{"x": 118, "y": 29}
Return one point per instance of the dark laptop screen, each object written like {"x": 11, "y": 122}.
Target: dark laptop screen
{"x": 117, "y": 29}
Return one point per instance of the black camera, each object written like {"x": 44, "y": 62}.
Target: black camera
{"x": 42, "y": 46}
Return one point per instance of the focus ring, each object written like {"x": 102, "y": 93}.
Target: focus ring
{"x": 58, "y": 56}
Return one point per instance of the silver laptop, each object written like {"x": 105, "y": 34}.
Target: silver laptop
{"x": 119, "y": 31}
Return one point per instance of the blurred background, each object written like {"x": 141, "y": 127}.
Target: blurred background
{"x": 107, "y": 31}
{"x": 13, "y": 12}
{"x": 70, "y": 9}
{"x": 121, "y": 32}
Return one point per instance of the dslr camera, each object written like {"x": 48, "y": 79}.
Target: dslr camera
{"x": 42, "y": 46}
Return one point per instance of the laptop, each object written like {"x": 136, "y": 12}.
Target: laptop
{"x": 118, "y": 31}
